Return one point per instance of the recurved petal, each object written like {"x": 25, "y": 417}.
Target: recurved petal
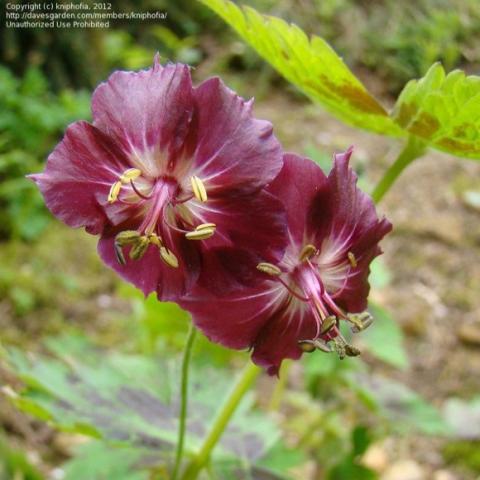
{"x": 233, "y": 150}
{"x": 147, "y": 112}
{"x": 279, "y": 337}
{"x": 79, "y": 171}
{"x": 297, "y": 184}
{"x": 343, "y": 219}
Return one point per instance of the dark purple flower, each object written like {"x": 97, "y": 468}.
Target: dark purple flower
{"x": 323, "y": 278}
{"x": 167, "y": 174}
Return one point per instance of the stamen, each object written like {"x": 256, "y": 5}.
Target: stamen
{"x": 168, "y": 257}
{"x": 269, "y": 269}
{"x": 360, "y": 321}
{"x": 127, "y": 237}
{"x": 328, "y": 324}
{"x": 307, "y": 346}
{"x": 130, "y": 174}
{"x": 292, "y": 291}
{"x": 199, "y": 189}
{"x": 205, "y": 225}
{"x": 138, "y": 192}
{"x": 139, "y": 249}
{"x": 308, "y": 251}
{"x": 119, "y": 254}
{"x": 352, "y": 351}
{"x": 126, "y": 177}
{"x": 114, "y": 191}
{"x": 322, "y": 345}
{"x": 352, "y": 259}
{"x": 340, "y": 348}
{"x": 154, "y": 239}
{"x": 201, "y": 232}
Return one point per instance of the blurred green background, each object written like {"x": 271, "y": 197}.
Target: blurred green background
{"x": 340, "y": 416}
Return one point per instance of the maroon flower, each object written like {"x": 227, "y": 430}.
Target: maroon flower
{"x": 323, "y": 278}
{"x": 167, "y": 174}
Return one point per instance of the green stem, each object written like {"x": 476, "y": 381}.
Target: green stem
{"x": 187, "y": 355}
{"x": 280, "y": 386}
{"x": 413, "y": 149}
{"x": 245, "y": 381}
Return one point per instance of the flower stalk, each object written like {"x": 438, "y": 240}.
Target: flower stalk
{"x": 243, "y": 384}
{"x": 413, "y": 149}
{"x": 182, "y": 421}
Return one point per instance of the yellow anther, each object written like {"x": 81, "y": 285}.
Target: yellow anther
{"x": 359, "y": 321}
{"x": 114, "y": 191}
{"x": 307, "y": 346}
{"x": 200, "y": 234}
{"x": 202, "y": 226}
{"x": 328, "y": 324}
{"x": 130, "y": 174}
{"x": 198, "y": 189}
{"x": 352, "y": 259}
{"x": 269, "y": 269}
{"x": 127, "y": 237}
{"x": 139, "y": 249}
{"x": 154, "y": 239}
{"x": 168, "y": 257}
{"x": 308, "y": 251}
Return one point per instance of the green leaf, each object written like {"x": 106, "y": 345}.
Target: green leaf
{"x": 97, "y": 461}
{"x": 443, "y": 110}
{"x": 403, "y": 407}
{"x": 310, "y": 64}
{"x": 384, "y": 339}
{"x": 133, "y": 401}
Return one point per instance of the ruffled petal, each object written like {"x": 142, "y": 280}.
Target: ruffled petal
{"x": 343, "y": 219}
{"x": 79, "y": 171}
{"x": 233, "y": 150}
{"x": 279, "y": 338}
{"x": 151, "y": 273}
{"x": 296, "y": 185}
{"x": 148, "y": 113}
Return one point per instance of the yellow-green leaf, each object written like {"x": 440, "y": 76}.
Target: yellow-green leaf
{"x": 310, "y": 64}
{"x": 444, "y": 110}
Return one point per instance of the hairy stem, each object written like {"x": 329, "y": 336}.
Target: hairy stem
{"x": 187, "y": 354}
{"x": 413, "y": 149}
{"x": 243, "y": 384}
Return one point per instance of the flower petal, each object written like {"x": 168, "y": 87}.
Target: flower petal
{"x": 236, "y": 320}
{"x": 233, "y": 150}
{"x": 296, "y": 186}
{"x": 343, "y": 219}
{"x": 279, "y": 338}
{"x": 148, "y": 113}
{"x": 80, "y": 170}
{"x": 250, "y": 229}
